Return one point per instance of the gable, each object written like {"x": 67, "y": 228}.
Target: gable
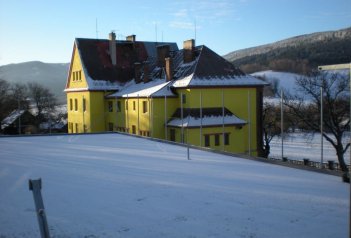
{"x": 76, "y": 78}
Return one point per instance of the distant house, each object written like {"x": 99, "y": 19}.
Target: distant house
{"x": 19, "y": 122}
{"x": 153, "y": 89}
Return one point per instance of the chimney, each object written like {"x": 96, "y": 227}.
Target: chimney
{"x": 112, "y": 42}
{"x": 162, "y": 53}
{"x": 131, "y": 38}
{"x": 146, "y": 72}
{"x": 188, "y": 50}
{"x": 137, "y": 72}
{"x": 169, "y": 69}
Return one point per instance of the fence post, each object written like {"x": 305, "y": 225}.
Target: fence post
{"x": 35, "y": 186}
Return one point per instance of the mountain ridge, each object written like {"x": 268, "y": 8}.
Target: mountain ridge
{"x": 329, "y": 47}
{"x": 49, "y": 75}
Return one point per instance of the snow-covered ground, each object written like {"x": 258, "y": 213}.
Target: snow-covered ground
{"x": 298, "y": 146}
{"x": 113, "y": 185}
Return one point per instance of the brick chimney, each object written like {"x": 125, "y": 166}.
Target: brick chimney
{"x": 112, "y": 43}
{"x": 137, "y": 72}
{"x": 131, "y": 38}
{"x": 189, "y": 48}
{"x": 162, "y": 53}
{"x": 146, "y": 72}
{"x": 169, "y": 69}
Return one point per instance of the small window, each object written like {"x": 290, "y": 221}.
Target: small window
{"x": 144, "y": 106}
{"x": 84, "y": 105}
{"x": 134, "y": 129}
{"x": 134, "y": 107}
{"x": 184, "y": 98}
{"x": 110, "y": 106}
{"x": 74, "y": 76}
{"x": 226, "y": 138}
{"x": 110, "y": 126}
{"x": 70, "y": 104}
{"x": 126, "y": 105}
{"x": 207, "y": 140}
{"x": 76, "y": 127}
{"x": 80, "y": 75}
{"x": 76, "y": 104}
{"x": 216, "y": 139}
{"x": 118, "y": 106}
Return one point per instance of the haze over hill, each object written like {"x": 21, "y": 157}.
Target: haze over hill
{"x": 299, "y": 54}
{"x": 52, "y": 76}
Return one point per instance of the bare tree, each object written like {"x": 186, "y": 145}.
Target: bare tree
{"x": 305, "y": 105}
{"x": 44, "y": 101}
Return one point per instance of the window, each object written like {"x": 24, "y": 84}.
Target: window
{"x": 216, "y": 139}
{"x": 184, "y": 98}
{"x": 126, "y": 105}
{"x": 76, "y": 127}
{"x": 74, "y": 76}
{"x": 118, "y": 106}
{"x": 144, "y": 106}
{"x": 80, "y": 75}
{"x": 207, "y": 140}
{"x": 110, "y": 126}
{"x": 226, "y": 138}
{"x": 76, "y": 104}
{"x": 70, "y": 104}
{"x": 134, "y": 105}
{"x": 110, "y": 106}
{"x": 133, "y": 129}
{"x": 84, "y": 105}
{"x": 172, "y": 134}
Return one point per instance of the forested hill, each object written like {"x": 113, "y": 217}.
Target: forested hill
{"x": 299, "y": 54}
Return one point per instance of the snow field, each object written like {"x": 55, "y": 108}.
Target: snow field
{"x": 113, "y": 185}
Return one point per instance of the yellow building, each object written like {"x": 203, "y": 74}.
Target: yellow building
{"x": 155, "y": 90}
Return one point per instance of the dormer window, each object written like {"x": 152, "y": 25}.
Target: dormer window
{"x": 77, "y": 76}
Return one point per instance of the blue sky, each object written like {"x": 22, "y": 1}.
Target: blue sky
{"x": 45, "y": 30}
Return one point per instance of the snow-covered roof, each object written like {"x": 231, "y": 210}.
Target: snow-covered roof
{"x": 155, "y": 88}
{"x": 196, "y": 117}
{"x": 229, "y": 80}
{"x": 206, "y": 121}
{"x": 11, "y": 118}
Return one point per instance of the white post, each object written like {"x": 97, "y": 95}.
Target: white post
{"x": 166, "y": 136}
{"x": 321, "y": 127}
{"x": 200, "y": 118}
{"x": 282, "y": 122}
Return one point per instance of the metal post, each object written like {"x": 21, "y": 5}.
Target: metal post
{"x": 321, "y": 127}
{"x": 282, "y": 122}
{"x": 35, "y": 186}
{"x": 166, "y": 136}
{"x": 200, "y": 118}
{"x": 223, "y": 120}
{"x": 127, "y": 107}
{"x": 181, "y": 115}
{"x": 138, "y": 132}
{"x": 249, "y": 116}
{"x": 84, "y": 108}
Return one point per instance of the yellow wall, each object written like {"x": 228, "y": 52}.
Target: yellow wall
{"x": 235, "y": 100}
